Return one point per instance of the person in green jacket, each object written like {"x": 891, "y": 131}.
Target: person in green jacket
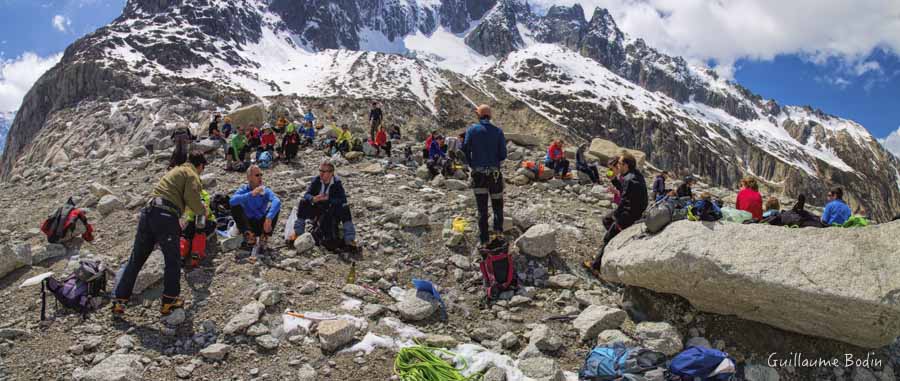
{"x": 239, "y": 148}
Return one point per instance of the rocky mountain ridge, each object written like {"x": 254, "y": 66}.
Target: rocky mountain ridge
{"x": 553, "y": 74}
{"x": 6, "y": 120}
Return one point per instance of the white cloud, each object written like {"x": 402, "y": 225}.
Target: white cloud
{"x": 61, "y": 23}
{"x": 865, "y": 67}
{"x": 725, "y": 31}
{"x": 18, "y": 75}
{"x": 892, "y": 143}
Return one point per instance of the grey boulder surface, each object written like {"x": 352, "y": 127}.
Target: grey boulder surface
{"x": 835, "y": 283}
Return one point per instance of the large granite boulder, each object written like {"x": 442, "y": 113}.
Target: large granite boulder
{"x": 604, "y": 150}
{"x": 835, "y": 283}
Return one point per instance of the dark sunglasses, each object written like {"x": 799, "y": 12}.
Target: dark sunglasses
{"x": 259, "y": 175}
{"x": 326, "y": 171}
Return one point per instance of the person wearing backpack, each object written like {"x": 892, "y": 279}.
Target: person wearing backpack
{"x": 159, "y": 225}
{"x": 325, "y": 202}
{"x": 749, "y": 199}
{"x": 255, "y": 209}
{"x": 182, "y": 137}
{"x": 631, "y": 207}
{"x": 485, "y": 149}
{"x": 836, "y": 210}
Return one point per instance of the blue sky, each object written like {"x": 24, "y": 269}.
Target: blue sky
{"x": 836, "y": 57}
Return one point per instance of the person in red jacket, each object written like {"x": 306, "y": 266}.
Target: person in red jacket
{"x": 556, "y": 159}
{"x": 382, "y": 142}
{"x": 749, "y": 199}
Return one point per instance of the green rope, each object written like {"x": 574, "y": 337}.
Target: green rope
{"x": 420, "y": 363}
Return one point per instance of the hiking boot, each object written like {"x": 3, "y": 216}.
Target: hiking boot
{"x": 590, "y": 267}
{"x": 118, "y": 307}
{"x": 172, "y": 305}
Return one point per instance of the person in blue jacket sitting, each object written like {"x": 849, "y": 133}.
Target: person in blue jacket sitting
{"x": 836, "y": 210}
{"x": 325, "y": 202}
{"x": 307, "y": 134}
{"x": 255, "y": 209}
{"x": 437, "y": 157}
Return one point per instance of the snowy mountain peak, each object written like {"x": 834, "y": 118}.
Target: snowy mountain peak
{"x": 552, "y": 75}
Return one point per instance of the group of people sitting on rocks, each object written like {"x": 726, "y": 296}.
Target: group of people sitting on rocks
{"x": 255, "y": 209}
{"x": 323, "y": 209}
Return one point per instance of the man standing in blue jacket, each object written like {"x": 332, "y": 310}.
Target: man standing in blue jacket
{"x": 836, "y": 211}
{"x": 325, "y": 202}
{"x": 255, "y": 209}
{"x": 485, "y": 148}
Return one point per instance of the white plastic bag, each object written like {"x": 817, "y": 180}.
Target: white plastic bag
{"x": 289, "y": 226}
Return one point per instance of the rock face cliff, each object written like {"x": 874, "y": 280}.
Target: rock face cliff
{"x": 165, "y": 62}
{"x": 6, "y": 119}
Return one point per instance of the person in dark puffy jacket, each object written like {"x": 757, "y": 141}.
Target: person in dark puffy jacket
{"x": 705, "y": 209}
{"x": 633, "y": 203}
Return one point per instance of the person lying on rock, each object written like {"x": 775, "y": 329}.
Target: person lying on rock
{"x": 631, "y": 207}
{"x": 159, "y": 225}
{"x": 325, "y": 205}
{"x": 255, "y": 210}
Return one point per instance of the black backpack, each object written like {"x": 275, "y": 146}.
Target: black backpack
{"x": 77, "y": 291}
{"x": 327, "y": 233}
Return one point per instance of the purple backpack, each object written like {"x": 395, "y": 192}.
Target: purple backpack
{"x": 78, "y": 290}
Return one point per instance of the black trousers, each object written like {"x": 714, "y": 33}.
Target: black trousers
{"x": 591, "y": 171}
{"x": 613, "y": 229}
{"x": 488, "y": 186}
{"x": 245, "y": 224}
{"x": 560, "y": 166}
{"x": 241, "y": 156}
{"x": 156, "y": 226}
{"x": 386, "y": 148}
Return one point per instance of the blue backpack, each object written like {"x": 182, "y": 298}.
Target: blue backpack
{"x": 698, "y": 363}
{"x": 615, "y": 361}
{"x": 265, "y": 160}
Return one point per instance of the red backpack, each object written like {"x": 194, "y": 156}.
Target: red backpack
{"x": 63, "y": 220}
{"x": 497, "y": 268}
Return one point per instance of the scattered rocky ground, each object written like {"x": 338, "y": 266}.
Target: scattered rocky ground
{"x": 233, "y": 327}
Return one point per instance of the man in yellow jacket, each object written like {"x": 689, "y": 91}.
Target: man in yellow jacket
{"x": 159, "y": 224}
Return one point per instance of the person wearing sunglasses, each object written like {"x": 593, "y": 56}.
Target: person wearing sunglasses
{"x": 255, "y": 209}
{"x": 325, "y": 203}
